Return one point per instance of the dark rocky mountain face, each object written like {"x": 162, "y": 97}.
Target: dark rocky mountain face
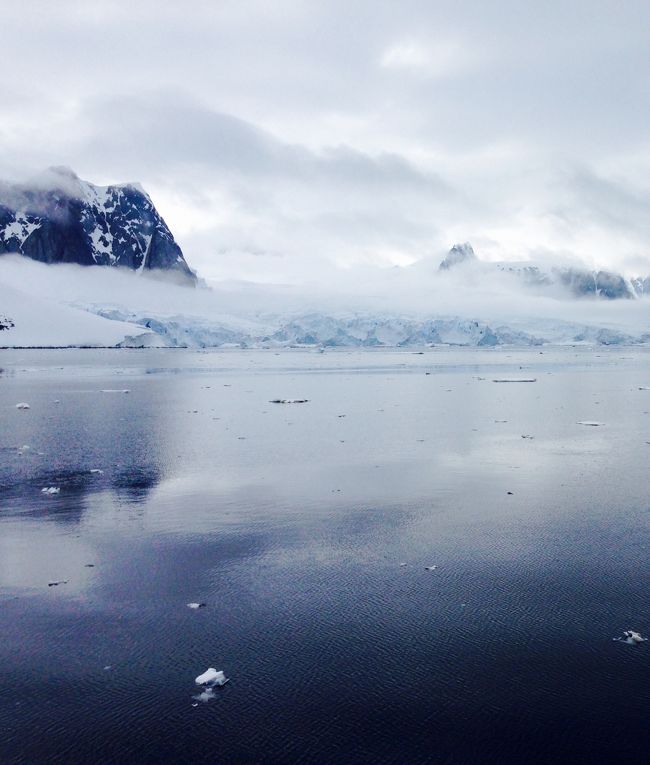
{"x": 62, "y": 219}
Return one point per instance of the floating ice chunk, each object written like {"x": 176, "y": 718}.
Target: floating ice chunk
{"x": 22, "y": 405}
{"x": 591, "y": 423}
{"x": 115, "y": 390}
{"x": 50, "y": 490}
{"x": 212, "y": 677}
{"x": 631, "y": 638}
{"x": 289, "y": 400}
{"x": 196, "y": 605}
{"x": 204, "y": 696}
{"x": 56, "y": 583}
{"x": 514, "y": 379}
{"x": 430, "y": 568}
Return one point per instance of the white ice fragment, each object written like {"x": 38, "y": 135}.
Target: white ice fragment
{"x": 515, "y": 379}
{"x": 590, "y": 423}
{"x": 631, "y": 638}
{"x": 212, "y": 677}
{"x": 430, "y": 568}
{"x": 204, "y": 696}
{"x": 196, "y": 605}
{"x": 50, "y": 490}
{"x": 22, "y": 405}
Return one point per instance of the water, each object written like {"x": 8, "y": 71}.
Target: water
{"x": 290, "y": 522}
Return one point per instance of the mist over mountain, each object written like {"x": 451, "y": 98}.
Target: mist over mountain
{"x": 579, "y": 281}
{"x": 59, "y": 218}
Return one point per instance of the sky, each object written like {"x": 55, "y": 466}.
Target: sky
{"x": 286, "y": 141}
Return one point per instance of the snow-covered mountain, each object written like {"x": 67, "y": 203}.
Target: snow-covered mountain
{"x": 61, "y": 219}
{"x": 580, "y": 282}
{"x": 27, "y": 321}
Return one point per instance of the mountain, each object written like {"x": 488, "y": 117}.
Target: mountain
{"x": 459, "y": 253}
{"x": 578, "y": 281}
{"x": 27, "y": 321}
{"x": 61, "y": 219}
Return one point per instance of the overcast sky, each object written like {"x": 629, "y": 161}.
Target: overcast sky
{"x": 279, "y": 139}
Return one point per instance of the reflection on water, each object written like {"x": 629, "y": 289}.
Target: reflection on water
{"x": 291, "y": 523}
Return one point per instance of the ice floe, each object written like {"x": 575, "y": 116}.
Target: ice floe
{"x": 211, "y": 678}
{"x": 631, "y": 638}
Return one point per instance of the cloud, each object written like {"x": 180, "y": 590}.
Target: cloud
{"x": 442, "y": 59}
{"x": 344, "y": 134}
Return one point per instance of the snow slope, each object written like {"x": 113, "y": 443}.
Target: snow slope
{"x": 30, "y": 321}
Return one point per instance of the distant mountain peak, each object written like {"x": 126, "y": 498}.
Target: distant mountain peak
{"x": 459, "y": 253}
{"x": 60, "y": 218}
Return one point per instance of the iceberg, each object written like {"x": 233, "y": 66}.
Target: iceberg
{"x": 211, "y": 678}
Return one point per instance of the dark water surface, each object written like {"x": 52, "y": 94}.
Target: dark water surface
{"x": 290, "y": 522}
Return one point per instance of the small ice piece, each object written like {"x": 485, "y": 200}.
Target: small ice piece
{"x": 204, "y": 696}
{"x": 211, "y": 677}
{"x": 430, "y": 568}
{"x": 114, "y": 390}
{"x": 196, "y": 605}
{"x": 50, "y": 490}
{"x": 591, "y": 423}
{"x": 97, "y": 471}
{"x": 56, "y": 583}
{"x": 514, "y": 379}
{"x": 631, "y": 638}
{"x": 289, "y": 400}
{"x": 22, "y": 405}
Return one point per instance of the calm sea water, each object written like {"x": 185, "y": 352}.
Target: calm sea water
{"x": 291, "y": 523}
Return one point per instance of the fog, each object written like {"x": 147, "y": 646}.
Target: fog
{"x": 414, "y": 292}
